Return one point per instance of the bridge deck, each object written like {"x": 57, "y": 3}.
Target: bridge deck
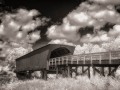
{"x": 104, "y": 58}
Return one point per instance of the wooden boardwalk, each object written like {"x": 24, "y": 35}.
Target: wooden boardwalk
{"x": 104, "y": 58}
{"x": 98, "y": 61}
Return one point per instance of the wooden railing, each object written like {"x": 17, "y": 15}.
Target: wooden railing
{"x": 70, "y": 59}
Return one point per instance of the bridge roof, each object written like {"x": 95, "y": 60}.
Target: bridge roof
{"x": 51, "y": 47}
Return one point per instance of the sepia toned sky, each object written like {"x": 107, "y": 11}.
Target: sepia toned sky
{"x": 74, "y": 21}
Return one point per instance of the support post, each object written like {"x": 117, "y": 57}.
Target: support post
{"x": 63, "y": 72}
{"x": 68, "y": 71}
{"x": 102, "y": 71}
{"x": 89, "y": 71}
{"x": 109, "y": 71}
{"x": 76, "y": 69}
{"x": 94, "y": 70}
{"x": 57, "y": 71}
{"x": 113, "y": 71}
{"x": 82, "y": 70}
{"x": 44, "y": 74}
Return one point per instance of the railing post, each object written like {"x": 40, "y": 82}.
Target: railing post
{"x": 55, "y": 61}
{"x": 100, "y": 58}
{"x": 59, "y": 61}
{"x": 91, "y": 59}
{"x": 71, "y": 60}
{"x": 77, "y": 60}
{"x": 52, "y": 61}
{"x": 62, "y": 60}
{"x": 84, "y": 60}
{"x": 110, "y": 58}
{"x": 67, "y": 60}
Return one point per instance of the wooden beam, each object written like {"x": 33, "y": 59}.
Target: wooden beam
{"x": 57, "y": 71}
{"x": 64, "y": 72}
{"x": 44, "y": 74}
{"x": 85, "y": 70}
{"x": 68, "y": 71}
{"x": 94, "y": 70}
{"x": 76, "y": 69}
{"x": 109, "y": 71}
{"x": 102, "y": 71}
{"x": 82, "y": 69}
{"x": 113, "y": 71}
{"x": 89, "y": 71}
{"x": 97, "y": 70}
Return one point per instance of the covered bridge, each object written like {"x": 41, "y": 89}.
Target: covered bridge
{"x": 38, "y": 59}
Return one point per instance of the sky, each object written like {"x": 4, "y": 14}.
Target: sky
{"x": 72, "y": 22}
{"x": 55, "y": 10}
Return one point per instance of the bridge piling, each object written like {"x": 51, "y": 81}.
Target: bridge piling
{"x": 44, "y": 74}
{"x": 102, "y": 71}
{"x": 57, "y": 71}
{"x": 89, "y": 71}
{"x": 68, "y": 71}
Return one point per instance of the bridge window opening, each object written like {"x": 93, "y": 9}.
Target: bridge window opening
{"x": 60, "y": 52}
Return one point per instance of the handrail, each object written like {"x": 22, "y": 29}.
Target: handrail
{"x": 83, "y": 57}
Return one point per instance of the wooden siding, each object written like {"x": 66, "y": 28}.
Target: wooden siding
{"x": 33, "y": 61}
{"x": 38, "y": 59}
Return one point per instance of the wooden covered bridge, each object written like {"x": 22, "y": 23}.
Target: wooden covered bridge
{"x": 59, "y": 59}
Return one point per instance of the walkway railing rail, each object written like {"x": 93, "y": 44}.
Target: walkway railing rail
{"x": 98, "y": 58}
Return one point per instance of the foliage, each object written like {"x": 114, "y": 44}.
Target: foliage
{"x": 80, "y": 83}
{"x": 7, "y": 72}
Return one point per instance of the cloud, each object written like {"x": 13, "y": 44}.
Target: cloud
{"x": 115, "y": 31}
{"x": 15, "y": 26}
{"x": 87, "y": 15}
{"x": 64, "y": 31}
{"x": 88, "y": 48}
{"x": 93, "y": 15}
{"x": 61, "y": 41}
{"x": 33, "y": 37}
{"x": 115, "y": 2}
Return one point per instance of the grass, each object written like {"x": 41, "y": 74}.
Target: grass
{"x": 80, "y": 83}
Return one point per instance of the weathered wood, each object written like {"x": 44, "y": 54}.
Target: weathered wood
{"x": 82, "y": 69}
{"x": 85, "y": 70}
{"x": 102, "y": 71}
{"x": 57, "y": 71}
{"x": 109, "y": 71}
{"x": 44, "y": 74}
{"x": 64, "y": 72}
{"x": 113, "y": 71}
{"x": 93, "y": 70}
{"x": 68, "y": 71}
{"x": 76, "y": 69}
{"x": 110, "y": 58}
{"x": 89, "y": 71}
{"x": 97, "y": 70}
{"x": 100, "y": 59}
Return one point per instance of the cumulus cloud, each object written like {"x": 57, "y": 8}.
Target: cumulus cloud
{"x": 93, "y": 15}
{"x": 15, "y": 26}
{"x": 20, "y": 29}
{"x": 115, "y": 31}
{"x": 88, "y": 48}
{"x": 64, "y": 31}
{"x": 115, "y": 2}
{"x": 88, "y": 15}
{"x": 61, "y": 41}
{"x": 97, "y": 15}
